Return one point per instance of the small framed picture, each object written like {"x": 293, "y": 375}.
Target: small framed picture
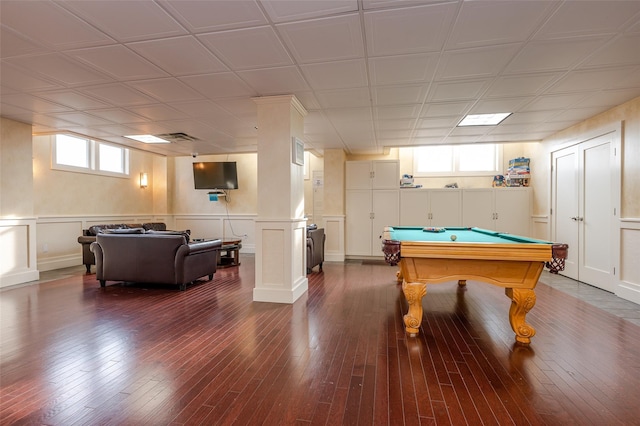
{"x": 298, "y": 151}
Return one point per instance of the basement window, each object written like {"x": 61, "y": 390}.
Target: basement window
{"x": 77, "y": 154}
{"x": 457, "y": 160}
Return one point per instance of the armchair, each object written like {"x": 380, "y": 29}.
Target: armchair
{"x": 315, "y": 247}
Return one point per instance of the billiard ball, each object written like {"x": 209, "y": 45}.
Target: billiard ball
{"x": 453, "y": 237}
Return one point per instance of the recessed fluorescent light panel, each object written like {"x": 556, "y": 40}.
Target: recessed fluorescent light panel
{"x": 484, "y": 119}
{"x": 147, "y": 139}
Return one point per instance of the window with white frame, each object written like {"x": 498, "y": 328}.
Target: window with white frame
{"x": 457, "y": 160}
{"x": 73, "y": 153}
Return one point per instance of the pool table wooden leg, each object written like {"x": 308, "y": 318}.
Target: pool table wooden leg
{"x": 522, "y": 300}
{"x": 413, "y": 292}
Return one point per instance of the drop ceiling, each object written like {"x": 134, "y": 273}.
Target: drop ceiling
{"x": 372, "y": 74}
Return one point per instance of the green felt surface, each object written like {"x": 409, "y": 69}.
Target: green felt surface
{"x": 463, "y": 235}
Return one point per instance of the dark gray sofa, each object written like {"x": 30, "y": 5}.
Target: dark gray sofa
{"x": 89, "y": 236}
{"x": 153, "y": 257}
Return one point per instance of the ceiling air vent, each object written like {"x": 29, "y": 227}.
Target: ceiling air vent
{"x": 177, "y": 137}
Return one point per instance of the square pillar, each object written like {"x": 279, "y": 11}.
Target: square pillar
{"x": 280, "y": 225}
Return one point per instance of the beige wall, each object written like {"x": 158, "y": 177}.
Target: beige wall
{"x": 334, "y": 166}
{"x": 187, "y": 200}
{"x": 16, "y": 176}
{"x": 629, "y": 114}
{"x": 312, "y": 163}
{"x": 59, "y": 193}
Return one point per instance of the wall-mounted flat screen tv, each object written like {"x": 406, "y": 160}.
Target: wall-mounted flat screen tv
{"x": 215, "y": 175}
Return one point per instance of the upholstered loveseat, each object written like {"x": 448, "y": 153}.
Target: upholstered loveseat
{"x": 162, "y": 257}
{"x": 89, "y": 236}
{"x": 315, "y": 247}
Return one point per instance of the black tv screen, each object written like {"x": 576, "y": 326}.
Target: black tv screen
{"x": 215, "y": 175}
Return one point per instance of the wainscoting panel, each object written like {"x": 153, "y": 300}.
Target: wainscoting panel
{"x": 629, "y": 276}
{"x": 334, "y": 244}
{"x": 18, "y": 247}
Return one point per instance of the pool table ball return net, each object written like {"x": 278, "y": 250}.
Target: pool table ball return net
{"x": 436, "y": 255}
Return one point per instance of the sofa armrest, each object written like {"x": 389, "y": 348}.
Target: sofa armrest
{"x": 197, "y": 246}
{"x": 86, "y": 239}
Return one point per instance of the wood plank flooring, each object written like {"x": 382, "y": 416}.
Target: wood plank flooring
{"x": 73, "y": 353}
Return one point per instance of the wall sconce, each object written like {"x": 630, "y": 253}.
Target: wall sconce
{"x": 144, "y": 180}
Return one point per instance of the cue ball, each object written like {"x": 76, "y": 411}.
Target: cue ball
{"x": 453, "y": 238}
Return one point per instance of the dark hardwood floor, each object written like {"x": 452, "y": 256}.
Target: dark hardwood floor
{"x": 73, "y": 353}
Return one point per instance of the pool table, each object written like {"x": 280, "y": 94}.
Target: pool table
{"x": 435, "y": 255}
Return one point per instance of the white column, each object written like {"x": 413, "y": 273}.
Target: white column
{"x": 281, "y": 274}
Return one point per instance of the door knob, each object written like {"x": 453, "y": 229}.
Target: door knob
{"x": 574, "y": 218}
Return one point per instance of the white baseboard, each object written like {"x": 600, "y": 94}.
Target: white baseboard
{"x": 59, "y": 262}
{"x": 628, "y": 291}
{"x": 19, "y": 277}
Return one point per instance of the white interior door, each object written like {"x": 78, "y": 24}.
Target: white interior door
{"x": 596, "y": 213}
{"x": 584, "y": 196}
{"x": 565, "y": 190}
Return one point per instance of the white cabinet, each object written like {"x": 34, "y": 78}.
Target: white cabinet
{"x": 368, "y": 212}
{"x": 500, "y": 209}
{"x": 430, "y": 207}
{"x": 381, "y": 174}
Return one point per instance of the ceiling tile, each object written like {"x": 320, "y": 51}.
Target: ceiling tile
{"x": 13, "y": 44}
{"x": 403, "y": 69}
{"x": 72, "y": 99}
{"x": 475, "y": 63}
{"x": 344, "y": 98}
{"x": 499, "y": 105}
{"x": 607, "y": 98}
{"x": 157, "y": 112}
{"x": 17, "y": 78}
{"x": 521, "y": 85}
{"x": 275, "y": 81}
{"x": 336, "y": 75}
{"x": 439, "y": 122}
{"x": 445, "y": 109}
{"x": 579, "y": 18}
{"x": 308, "y": 99}
{"x": 576, "y": 114}
{"x": 127, "y": 20}
{"x": 323, "y": 40}
{"x": 402, "y": 124}
{"x": 557, "y": 55}
{"x": 241, "y": 107}
{"x": 624, "y": 50}
{"x": 247, "y": 48}
{"x": 340, "y": 115}
{"x": 80, "y": 118}
{"x": 397, "y": 112}
{"x": 457, "y": 90}
{"x": 166, "y": 89}
{"x": 200, "y": 16}
{"x": 61, "y": 69}
{"x": 48, "y": 24}
{"x": 219, "y": 85}
{"x": 286, "y": 10}
{"x": 119, "y": 62}
{"x": 179, "y": 56}
{"x": 554, "y": 102}
{"x": 399, "y": 95}
{"x": 117, "y": 115}
{"x": 32, "y": 103}
{"x": 431, "y": 132}
{"x": 590, "y": 80}
{"x": 529, "y": 117}
{"x": 117, "y": 94}
{"x": 481, "y": 23}
{"x": 410, "y": 30}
